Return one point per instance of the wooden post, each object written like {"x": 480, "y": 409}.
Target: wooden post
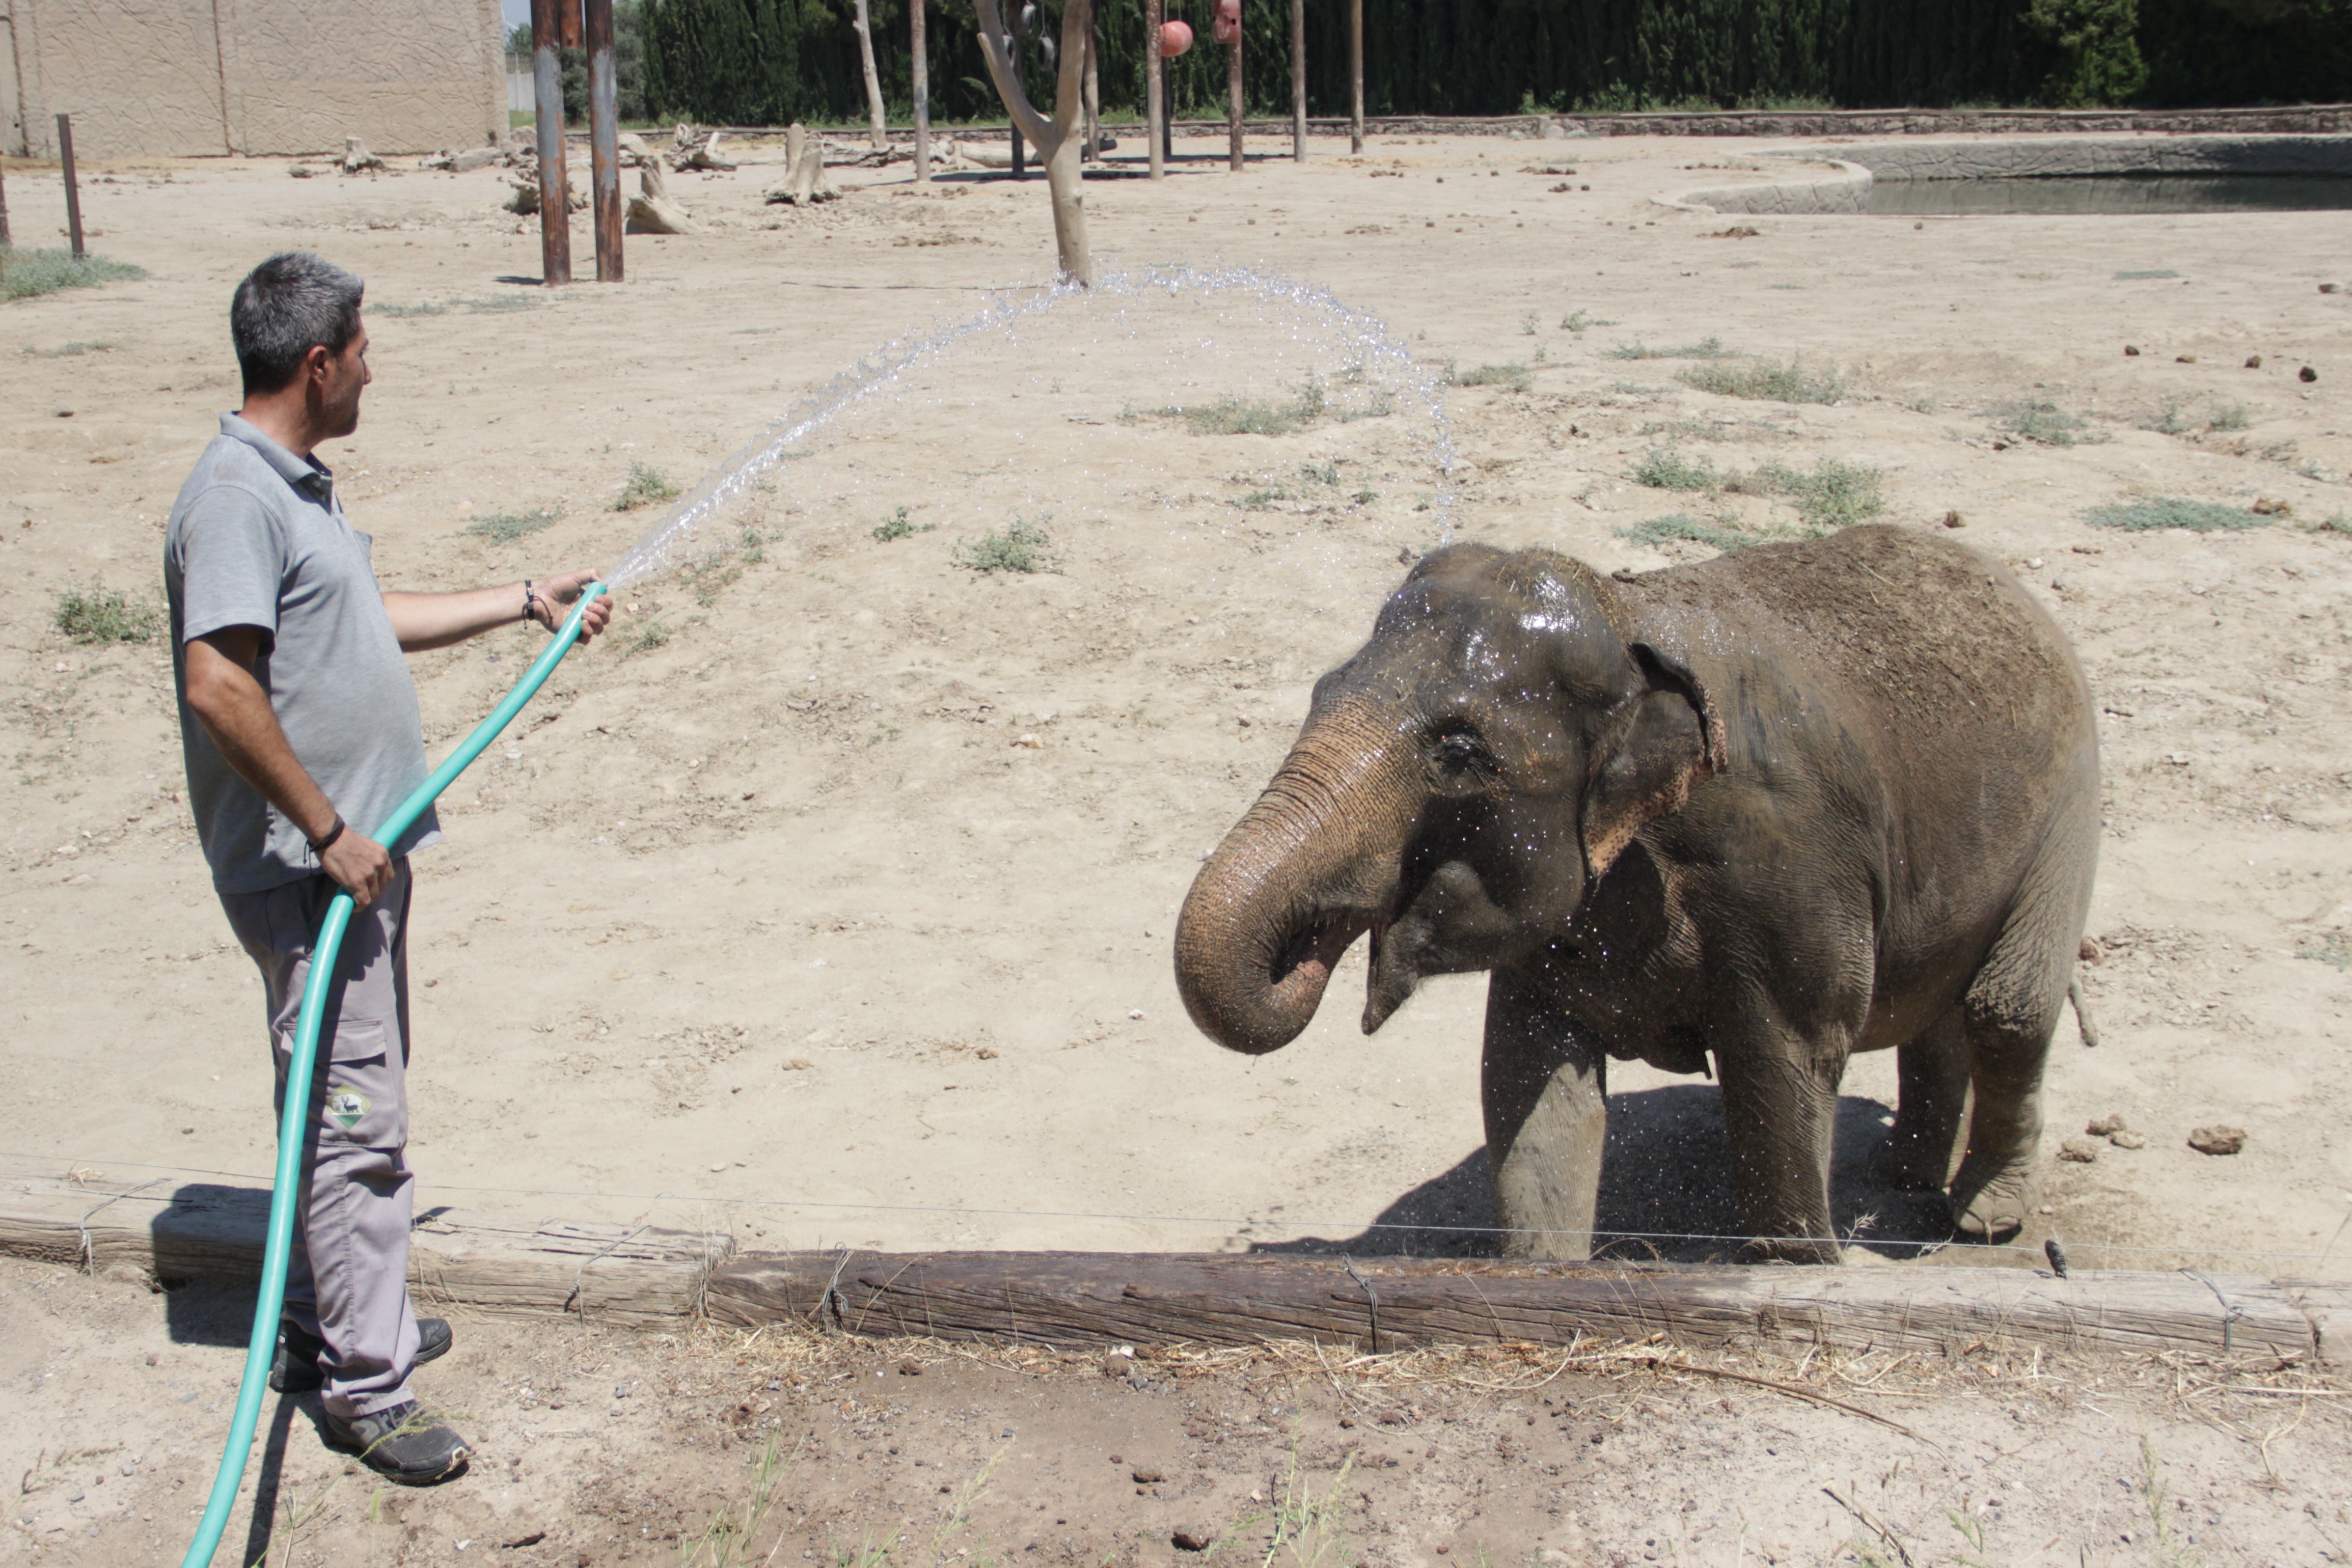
{"x": 73, "y": 189}
{"x": 922, "y": 68}
{"x": 547, "y": 97}
{"x": 1355, "y": 76}
{"x": 604, "y": 140}
{"x": 1298, "y": 79}
{"x": 4, "y": 208}
{"x": 1234, "y": 99}
{"x": 1155, "y": 86}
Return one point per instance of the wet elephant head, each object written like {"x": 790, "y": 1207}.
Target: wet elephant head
{"x": 1459, "y": 784}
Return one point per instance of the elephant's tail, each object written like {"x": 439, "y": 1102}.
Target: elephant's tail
{"x": 2082, "y": 1014}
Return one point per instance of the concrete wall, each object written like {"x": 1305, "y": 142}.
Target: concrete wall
{"x": 195, "y": 76}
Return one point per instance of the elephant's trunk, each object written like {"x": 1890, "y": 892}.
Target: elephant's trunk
{"x": 1313, "y": 866}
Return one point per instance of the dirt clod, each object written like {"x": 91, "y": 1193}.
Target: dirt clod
{"x": 2104, "y": 1125}
{"x": 2127, "y": 1139}
{"x": 1146, "y": 1476}
{"x": 1191, "y": 1540}
{"x": 2217, "y": 1140}
{"x": 2306, "y": 375}
{"x": 2080, "y": 1151}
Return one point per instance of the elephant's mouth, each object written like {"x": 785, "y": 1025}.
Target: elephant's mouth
{"x": 1305, "y": 964}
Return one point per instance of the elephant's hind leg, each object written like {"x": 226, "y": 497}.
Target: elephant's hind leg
{"x": 1924, "y": 1144}
{"x": 2010, "y": 1010}
{"x": 1546, "y": 1091}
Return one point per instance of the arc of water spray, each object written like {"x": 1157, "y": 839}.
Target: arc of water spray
{"x": 1359, "y": 333}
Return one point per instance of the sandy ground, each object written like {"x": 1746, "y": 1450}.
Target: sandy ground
{"x": 830, "y": 900}
{"x": 607, "y": 1446}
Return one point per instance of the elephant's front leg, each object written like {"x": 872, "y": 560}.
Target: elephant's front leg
{"x": 1547, "y": 1096}
{"x": 1780, "y": 1109}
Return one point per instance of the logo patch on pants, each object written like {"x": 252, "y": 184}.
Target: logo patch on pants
{"x": 346, "y": 1107}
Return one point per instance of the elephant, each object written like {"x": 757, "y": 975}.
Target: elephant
{"x": 1757, "y": 813}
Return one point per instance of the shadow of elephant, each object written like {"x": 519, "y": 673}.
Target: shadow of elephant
{"x": 1666, "y": 1192}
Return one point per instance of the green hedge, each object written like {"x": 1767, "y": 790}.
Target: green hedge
{"x": 765, "y": 62}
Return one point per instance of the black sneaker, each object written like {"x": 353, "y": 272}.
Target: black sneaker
{"x": 404, "y": 1445}
{"x": 295, "y": 1368}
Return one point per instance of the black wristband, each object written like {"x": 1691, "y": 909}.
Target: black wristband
{"x": 529, "y": 599}
{"x": 320, "y": 846}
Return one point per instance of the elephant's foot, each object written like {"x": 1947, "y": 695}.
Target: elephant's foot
{"x": 1990, "y": 1199}
{"x": 1911, "y": 1162}
{"x": 1790, "y": 1249}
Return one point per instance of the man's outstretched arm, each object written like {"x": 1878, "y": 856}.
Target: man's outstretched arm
{"x": 422, "y": 620}
{"x": 227, "y": 699}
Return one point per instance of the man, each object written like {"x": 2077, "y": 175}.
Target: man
{"x": 300, "y": 725}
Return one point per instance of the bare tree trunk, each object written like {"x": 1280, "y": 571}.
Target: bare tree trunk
{"x": 1356, "y": 75}
{"x": 1298, "y": 79}
{"x": 922, "y": 65}
{"x": 1155, "y": 96}
{"x": 1234, "y": 97}
{"x": 1056, "y": 139}
{"x": 878, "y": 132}
{"x": 1093, "y": 91}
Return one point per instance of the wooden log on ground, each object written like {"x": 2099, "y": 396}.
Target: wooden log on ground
{"x": 1066, "y": 1298}
{"x": 176, "y": 1231}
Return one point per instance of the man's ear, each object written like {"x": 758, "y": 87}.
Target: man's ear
{"x": 1667, "y": 742}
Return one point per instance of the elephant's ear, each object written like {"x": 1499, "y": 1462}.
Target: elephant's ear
{"x": 1667, "y": 742}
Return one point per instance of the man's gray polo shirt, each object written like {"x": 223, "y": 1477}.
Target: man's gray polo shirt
{"x": 258, "y": 538}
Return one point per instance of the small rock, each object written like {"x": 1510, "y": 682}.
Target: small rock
{"x": 2253, "y": 361}
{"x": 2306, "y": 375}
{"x": 2329, "y": 287}
{"x": 1145, "y": 1475}
{"x": 2106, "y": 1126}
{"x": 2089, "y": 952}
{"x": 799, "y": 1064}
{"x": 1954, "y": 520}
{"x": 1117, "y": 1364}
{"x": 2127, "y": 1139}
{"x": 1032, "y": 742}
{"x": 2265, "y": 506}
{"x": 2217, "y": 1140}
{"x": 2130, "y": 352}
{"x": 910, "y": 1367}
{"x": 986, "y": 1053}
{"x": 2184, "y": 358}
{"x": 2080, "y": 1151}
{"x": 1191, "y": 1540}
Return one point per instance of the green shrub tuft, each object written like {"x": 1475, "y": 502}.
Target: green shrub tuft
{"x": 2152, "y": 513}
{"x": 104, "y": 615}
{"x": 646, "y": 486}
{"x": 26, "y": 273}
{"x": 1019, "y": 546}
{"x": 1764, "y": 379}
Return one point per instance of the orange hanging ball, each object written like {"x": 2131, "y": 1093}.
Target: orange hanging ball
{"x": 1175, "y": 38}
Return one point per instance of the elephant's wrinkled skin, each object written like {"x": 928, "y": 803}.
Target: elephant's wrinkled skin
{"x": 1775, "y": 807}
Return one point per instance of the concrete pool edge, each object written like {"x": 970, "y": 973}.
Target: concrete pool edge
{"x": 1855, "y": 168}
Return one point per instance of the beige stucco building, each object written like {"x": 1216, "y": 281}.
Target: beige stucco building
{"x": 194, "y": 76}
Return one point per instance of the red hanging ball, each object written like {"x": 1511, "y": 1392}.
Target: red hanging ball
{"x": 1175, "y": 38}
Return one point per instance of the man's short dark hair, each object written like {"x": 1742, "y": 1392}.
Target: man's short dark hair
{"x": 293, "y": 302}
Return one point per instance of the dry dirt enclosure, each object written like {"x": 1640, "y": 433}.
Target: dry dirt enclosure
{"x": 830, "y": 899}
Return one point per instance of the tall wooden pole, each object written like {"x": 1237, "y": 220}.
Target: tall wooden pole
{"x": 1233, "y": 99}
{"x": 547, "y": 97}
{"x": 1092, "y": 92}
{"x": 1155, "y": 103}
{"x": 1356, "y": 75}
{"x": 604, "y": 140}
{"x": 1298, "y": 79}
{"x": 73, "y": 187}
{"x": 3, "y": 209}
{"x": 878, "y": 125}
{"x": 923, "y": 64}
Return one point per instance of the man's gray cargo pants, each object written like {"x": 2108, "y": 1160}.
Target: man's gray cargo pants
{"x": 347, "y": 1282}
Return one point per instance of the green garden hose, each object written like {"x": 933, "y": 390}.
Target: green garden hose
{"x": 294, "y": 1126}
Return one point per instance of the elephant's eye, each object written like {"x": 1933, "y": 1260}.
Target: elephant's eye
{"x": 1462, "y": 752}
